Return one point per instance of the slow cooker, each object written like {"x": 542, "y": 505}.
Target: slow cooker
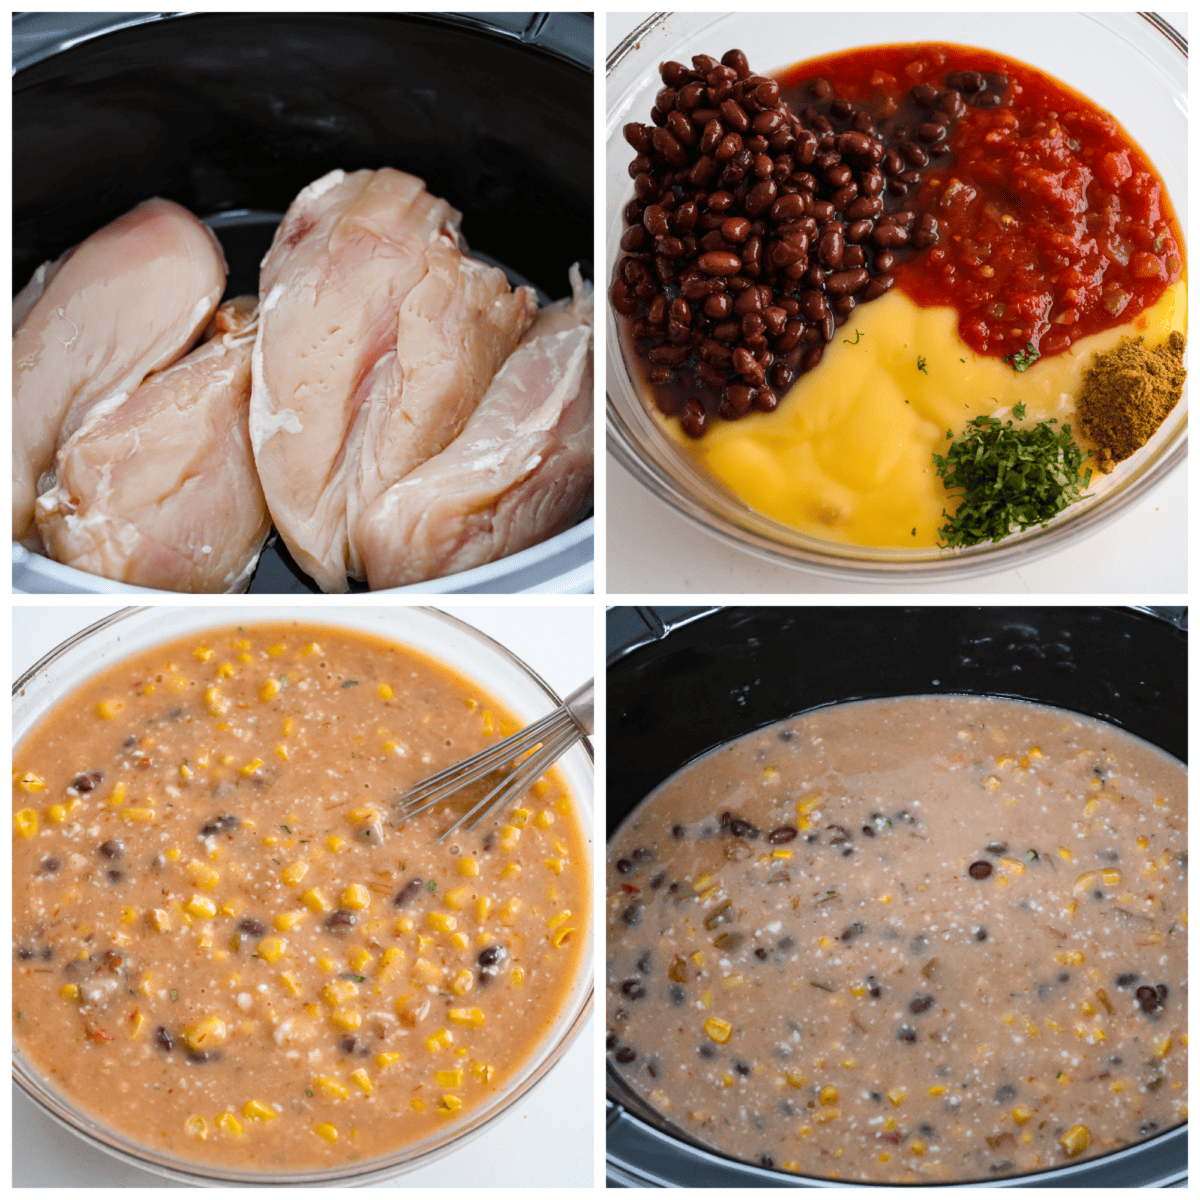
{"x": 682, "y": 681}
{"x": 231, "y": 114}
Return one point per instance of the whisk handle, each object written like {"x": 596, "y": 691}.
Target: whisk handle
{"x": 581, "y": 704}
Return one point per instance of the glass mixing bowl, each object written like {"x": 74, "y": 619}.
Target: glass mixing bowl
{"x": 446, "y": 639}
{"x": 1132, "y": 65}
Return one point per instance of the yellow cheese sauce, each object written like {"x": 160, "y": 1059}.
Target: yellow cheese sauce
{"x": 848, "y": 454}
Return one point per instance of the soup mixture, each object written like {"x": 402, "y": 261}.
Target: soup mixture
{"x": 926, "y": 939}
{"x": 226, "y": 950}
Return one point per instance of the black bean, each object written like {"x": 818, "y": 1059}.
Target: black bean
{"x": 737, "y": 827}
{"x": 906, "y": 1033}
{"x": 996, "y": 848}
{"x": 1127, "y": 978}
{"x": 225, "y": 823}
{"x": 162, "y": 1035}
{"x": 853, "y": 930}
{"x": 252, "y": 927}
{"x": 1004, "y": 1093}
{"x": 632, "y": 915}
{"x": 409, "y": 892}
{"x": 981, "y": 934}
{"x": 86, "y": 783}
{"x": 632, "y": 988}
{"x": 966, "y": 81}
{"x": 1149, "y": 999}
{"x": 873, "y": 988}
{"x": 785, "y": 833}
{"x": 979, "y": 870}
{"x": 50, "y": 864}
{"x": 340, "y": 920}
{"x": 625, "y": 1054}
{"x": 920, "y": 1004}
{"x": 678, "y": 832}
{"x": 706, "y": 1050}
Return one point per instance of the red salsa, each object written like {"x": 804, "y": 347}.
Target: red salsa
{"x": 1053, "y": 224}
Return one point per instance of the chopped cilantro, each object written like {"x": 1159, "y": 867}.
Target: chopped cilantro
{"x": 285, "y": 829}
{"x": 432, "y": 885}
{"x": 1022, "y": 360}
{"x": 1009, "y": 479}
{"x": 174, "y": 994}
{"x": 308, "y": 1091}
{"x": 350, "y": 683}
{"x": 848, "y": 342}
{"x": 914, "y": 532}
{"x": 921, "y": 364}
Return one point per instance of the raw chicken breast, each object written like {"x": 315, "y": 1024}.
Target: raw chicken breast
{"x": 128, "y": 300}
{"x": 455, "y": 330}
{"x": 158, "y": 489}
{"x": 349, "y": 251}
{"x": 517, "y": 474}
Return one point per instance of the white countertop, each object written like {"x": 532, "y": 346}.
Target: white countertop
{"x": 547, "y": 1138}
{"x": 652, "y": 549}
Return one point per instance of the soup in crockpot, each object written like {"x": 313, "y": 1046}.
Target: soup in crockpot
{"x": 917, "y": 940}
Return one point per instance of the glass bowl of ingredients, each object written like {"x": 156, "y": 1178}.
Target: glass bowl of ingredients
{"x": 912, "y": 265}
{"x": 270, "y": 979}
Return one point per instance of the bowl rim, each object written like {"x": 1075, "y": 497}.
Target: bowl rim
{"x": 737, "y": 526}
{"x": 64, "y": 1113}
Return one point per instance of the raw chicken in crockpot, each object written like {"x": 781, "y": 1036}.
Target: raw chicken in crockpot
{"x": 160, "y": 489}
{"x": 359, "y": 261}
{"x": 516, "y": 475}
{"x": 130, "y": 299}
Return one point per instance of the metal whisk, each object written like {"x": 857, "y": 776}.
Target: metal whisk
{"x": 549, "y": 738}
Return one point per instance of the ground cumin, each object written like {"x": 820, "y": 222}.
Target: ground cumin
{"x": 1128, "y": 392}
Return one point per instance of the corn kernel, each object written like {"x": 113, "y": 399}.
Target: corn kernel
{"x": 256, "y": 1110}
{"x": 271, "y": 949}
{"x": 200, "y": 907}
{"x": 69, "y": 991}
{"x": 200, "y": 874}
{"x": 268, "y": 691}
{"x": 327, "y": 1131}
{"x": 385, "y": 691}
{"x": 544, "y": 819}
{"x": 518, "y": 976}
{"x": 896, "y": 1096}
{"x": 483, "y": 906}
{"x": 107, "y": 709}
{"x": 26, "y": 823}
{"x": 1076, "y": 1140}
{"x": 250, "y": 767}
{"x": 27, "y": 781}
{"x": 314, "y": 900}
{"x": 385, "y": 1060}
{"x": 462, "y": 983}
{"x": 471, "y": 1017}
{"x": 509, "y": 909}
{"x": 441, "y": 1039}
{"x": 288, "y": 920}
{"x": 562, "y": 936}
{"x": 717, "y": 1029}
{"x": 206, "y": 1034}
{"x": 347, "y": 1020}
{"x": 468, "y": 866}
{"x": 448, "y": 1079}
{"x": 293, "y": 873}
{"x": 824, "y": 1115}
{"x": 56, "y": 814}
{"x": 356, "y": 897}
{"x": 1022, "y": 1115}
{"x": 426, "y": 972}
{"x": 337, "y": 991}
{"x": 197, "y": 1127}
{"x": 448, "y": 1106}
{"x": 331, "y": 1087}
{"x": 938, "y": 1089}
{"x": 160, "y": 919}
{"x": 230, "y": 1124}
{"x": 143, "y": 815}
{"x": 458, "y": 898}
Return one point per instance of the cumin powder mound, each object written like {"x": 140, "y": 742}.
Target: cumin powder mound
{"x": 1128, "y": 392}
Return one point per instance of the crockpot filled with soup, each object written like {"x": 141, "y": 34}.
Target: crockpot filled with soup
{"x": 923, "y": 938}
{"x": 232, "y": 959}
